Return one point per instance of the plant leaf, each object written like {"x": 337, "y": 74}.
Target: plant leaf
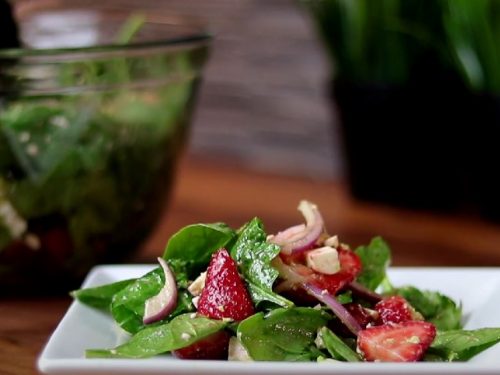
{"x": 195, "y": 244}
{"x": 182, "y": 331}
{"x": 435, "y": 307}
{"x": 100, "y": 297}
{"x": 283, "y": 335}
{"x": 337, "y": 348}
{"x": 460, "y": 345}
{"x": 254, "y": 255}
{"x": 375, "y": 259}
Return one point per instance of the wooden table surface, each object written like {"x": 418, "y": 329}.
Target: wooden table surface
{"x": 208, "y": 191}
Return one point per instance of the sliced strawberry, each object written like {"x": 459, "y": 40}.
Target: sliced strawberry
{"x": 350, "y": 267}
{"x": 403, "y": 342}
{"x": 295, "y": 274}
{"x": 224, "y": 294}
{"x": 362, "y": 315}
{"x": 214, "y": 346}
{"x": 395, "y": 309}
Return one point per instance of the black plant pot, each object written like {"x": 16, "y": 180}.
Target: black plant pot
{"x": 483, "y": 148}
{"x": 427, "y": 145}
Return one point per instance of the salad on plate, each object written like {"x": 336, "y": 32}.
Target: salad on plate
{"x": 297, "y": 295}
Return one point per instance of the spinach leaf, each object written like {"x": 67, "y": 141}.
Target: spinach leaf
{"x": 283, "y": 335}
{"x": 460, "y": 345}
{"x": 127, "y": 306}
{"x": 100, "y": 297}
{"x": 375, "y": 259}
{"x": 337, "y": 348}
{"x": 345, "y": 297}
{"x": 188, "y": 253}
{"x": 435, "y": 307}
{"x": 254, "y": 255}
{"x": 194, "y": 245}
{"x": 182, "y": 331}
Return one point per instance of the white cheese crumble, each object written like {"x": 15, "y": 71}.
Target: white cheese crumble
{"x": 197, "y": 285}
{"x": 324, "y": 260}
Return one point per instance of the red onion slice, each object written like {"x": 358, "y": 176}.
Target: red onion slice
{"x": 289, "y": 235}
{"x": 290, "y": 277}
{"x": 301, "y": 237}
{"x": 158, "y": 307}
{"x": 337, "y": 308}
{"x": 363, "y": 292}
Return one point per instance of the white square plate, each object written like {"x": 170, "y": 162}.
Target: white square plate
{"x": 478, "y": 289}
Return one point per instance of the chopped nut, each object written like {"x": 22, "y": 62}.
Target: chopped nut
{"x": 237, "y": 352}
{"x": 195, "y": 301}
{"x": 323, "y": 260}
{"x": 332, "y": 241}
{"x": 197, "y": 285}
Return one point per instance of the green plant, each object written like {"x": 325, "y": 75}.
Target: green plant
{"x": 473, "y": 30}
{"x": 86, "y": 161}
{"x": 387, "y": 41}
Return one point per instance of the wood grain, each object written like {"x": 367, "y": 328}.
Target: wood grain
{"x": 208, "y": 191}
{"x": 24, "y": 327}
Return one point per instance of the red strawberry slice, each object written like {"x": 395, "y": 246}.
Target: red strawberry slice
{"x": 224, "y": 294}
{"x": 362, "y": 315}
{"x": 350, "y": 267}
{"x": 403, "y": 342}
{"x": 395, "y": 309}
{"x": 214, "y": 346}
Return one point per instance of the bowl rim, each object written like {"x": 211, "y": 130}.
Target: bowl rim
{"x": 198, "y": 36}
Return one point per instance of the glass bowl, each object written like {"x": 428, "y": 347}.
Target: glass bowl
{"x": 94, "y": 111}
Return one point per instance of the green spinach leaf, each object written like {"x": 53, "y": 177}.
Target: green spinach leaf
{"x": 344, "y": 297}
{"x": 337, "y": 348}
{"x": 460, "y": 345}
{"x": 436, "y": 308}
{"x": 254, "y": 255}
{"x": 283, "y": 335}
{"x": 100, "y": 297}
{"x": 188, "y": 253}
{"x": 127, "y": 306}
{"x": 194, "y": 245}
{"x": 375, "y": 259}
{"x": 180, "y": 332}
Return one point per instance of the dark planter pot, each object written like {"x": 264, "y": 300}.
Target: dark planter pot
{"x": 483, "y": 145}
{"x": 424, "y": 146}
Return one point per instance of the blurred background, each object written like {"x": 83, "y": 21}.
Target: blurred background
{"x": 264, "y": 99}
{"x": 383, "y": 112}
{"x": 397, "y": 98}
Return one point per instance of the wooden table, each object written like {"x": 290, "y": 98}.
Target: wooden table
{"x": 208, "y": 191}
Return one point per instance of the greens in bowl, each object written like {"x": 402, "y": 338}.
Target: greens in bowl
{"x": 91, "y": 131}
{"x": 298, "y": 295}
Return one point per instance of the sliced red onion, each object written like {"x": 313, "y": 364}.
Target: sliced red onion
{"x": 340, "y": 311}
{"x": 301, "y": 237}
{"x": 363, "y": 292}
{"x": 287, "y": 273}
{"x": 289, "y": 235}
{"x": 158, "y": 307}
